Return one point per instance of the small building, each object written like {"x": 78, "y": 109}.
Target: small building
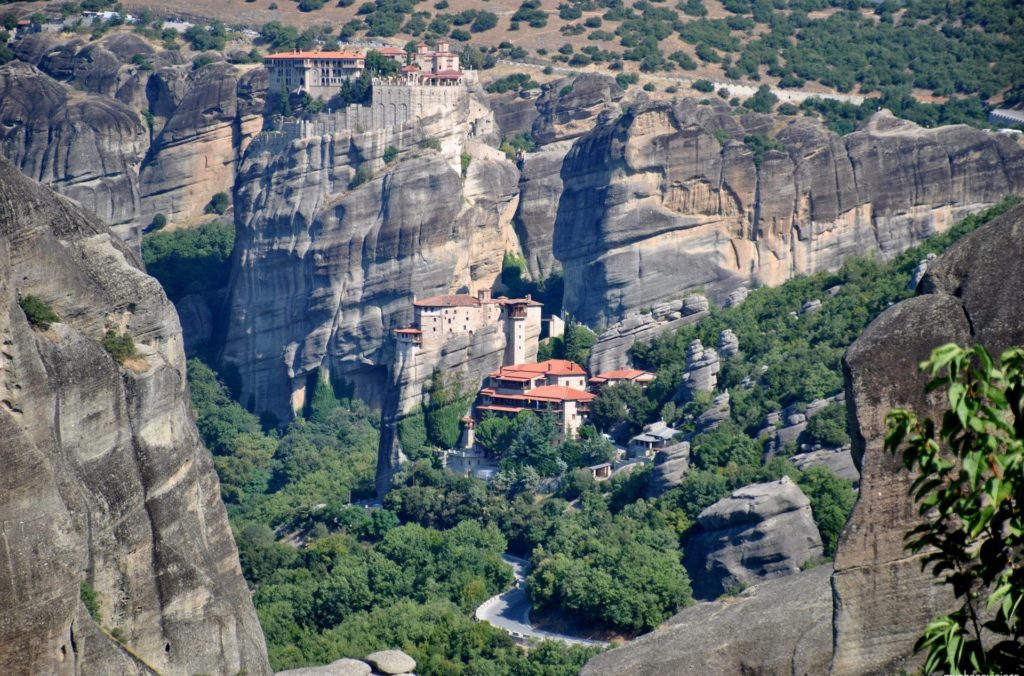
{"x": 655, "y": 437}
{"x": 642, "y": 378}
{"x": 601, "y": 472}
{"x": 440, "y": 317}
{"x": 437, "y": 60}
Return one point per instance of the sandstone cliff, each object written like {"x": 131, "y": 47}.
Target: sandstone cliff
{"x": 974, "y": 293}
{"x": 105, "y": 480}
{"x": 127, "y": 140}
{"x": 880, "y": 600}
{"x": 654, "y": 204}
{"x": 329, "y": 267}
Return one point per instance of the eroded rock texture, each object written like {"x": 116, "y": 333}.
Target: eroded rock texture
{"x": 653, "y": 204}
{"x": 127, "y": 139}
{"x": 780, "y": 626}
{"x": 974, "y": 293}
{"x": 105, "y": 479}
{"x": 757, "y": 533}
{"x": 86, "y": 147}
{"x": 328, "y": 269}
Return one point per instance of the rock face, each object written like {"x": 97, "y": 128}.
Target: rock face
{"x": 780, "y": 626}
{"x": 759, "y": 532}
{"x": 105, "y": 479}
{"x": 127, "y": 140}
{"x": 540, "y": 186}
{"x": 653, "y": 204}
{"x": 612, "y": 348}
{"x": 570, "y": 107}
{"x": 974, "y": 293}
{"x": 88, "y": 148}
{"x": 328, "y": 269}
{"x": 198, "y": 151}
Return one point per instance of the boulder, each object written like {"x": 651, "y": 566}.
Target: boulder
{"x": 391, "y": 662}
{"x": 670, "y": 466}
{"x": 728, "y": 343}
{"x": 780, "y": 626}
{"x": 701, "y": 375}
{"x": 839, "y": 460}
{"x": 756, "y": 533}
{"x": 342, "y": 667}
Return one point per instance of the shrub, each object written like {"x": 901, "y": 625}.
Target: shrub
{"x": 38, "y": 312}
{"x": 159, "y": 222}
{"x": 120, "y": 347}
{"x": 219, "y": 204}
{"x": 827, "y": 428}
{"x": 649, "y": 87}
{"x": 432, "y": 143}
{"x": 390, "y": 153}
{"x": 363, "y": 174}
{"x": 89, "y": 600}
{"x": 704, "y": 86}
{"x": 465, "y": 158}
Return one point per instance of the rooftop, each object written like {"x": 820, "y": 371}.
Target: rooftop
{"x": 555, "y": 367}
{"x": 445, "y": 75}
{"x": 623, "y": 374}
{"x": 542, "y": 393}
{"x": 448, "y": 300}
{"x": 315, "y": 55}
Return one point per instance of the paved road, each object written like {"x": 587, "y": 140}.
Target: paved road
{"x": 511, "y": 611}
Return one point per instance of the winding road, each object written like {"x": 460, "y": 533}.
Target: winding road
{"x": 510, "y": 611}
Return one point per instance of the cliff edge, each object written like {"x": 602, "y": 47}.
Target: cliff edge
{"x": 106, "y": 486}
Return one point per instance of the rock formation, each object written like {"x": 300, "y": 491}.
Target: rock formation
{"x": 974, "y": 293}
{"x": 198, "y": 150}
{"x": 105, "y": 481}
{"x": 756, "y": 533}
{"x": 780, "y": 626}
{"x": 701, "y": 375}
{"x": 127, "y": 140}
{"x": 653, "y": 204}
{"x": 380, "y": 663}
{"x": 670, "y": 466}
{"x": 569, "y": 108}
{"x": 329, "y": 268}
{"x": 88, "y": 148}
{"x": 540, "y": 186}
{"x": 728, "y": 343}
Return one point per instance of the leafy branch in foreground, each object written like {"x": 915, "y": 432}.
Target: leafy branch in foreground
{"x": 969, "y": 489}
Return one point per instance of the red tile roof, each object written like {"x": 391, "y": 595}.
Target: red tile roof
{"x": 390, "y": 50}
{"x": 315, "y": 55}
{"x": 449, "y": 300}
{"x": 555, "y": 367}
{"x": 409, "y": 331}
{"x": 516, "y": 301}
{"x": 446, "y": 75}
{"x": 623, "y": 374}
{"x": 559, "y": 393}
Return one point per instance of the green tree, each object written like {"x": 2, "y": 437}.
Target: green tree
{"x": 219, "y": 203}
{"x": 827, "y": 427}
{"x": 443, "y": 413}
{"x": 832, "y": 501}
{"x": 969, "y": 489}
{"x": 622, "y": 403}
{"x": 492, "y": 433}
{"x": 38, "y": 312}
{"x": 578, "y": 340}
{"x": 120, "y": 346}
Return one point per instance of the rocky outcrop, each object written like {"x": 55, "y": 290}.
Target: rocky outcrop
{"x": 780, "y": 626}
{"x": 105, "y": 479}
{"x": 971, "y": 294}
{"x": 670, "y": 466}
{"x": 570, "y": 107}
{"x": 88, "y": 148}
{"x": 728, "y": 343}
{"x": 611, "y": 351}
{"x": 838, "y": 460}
{"x": 654, "y": 204}
{"x": 759, "y": 532}
{"x": 198, "y": 150}
{"x": 701, "y": 374}
{"x": 380, "y": 663}
{"x": 127, "y": 139}
{"x": 540, "y": 185}
{"x": 328, "y": 269}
